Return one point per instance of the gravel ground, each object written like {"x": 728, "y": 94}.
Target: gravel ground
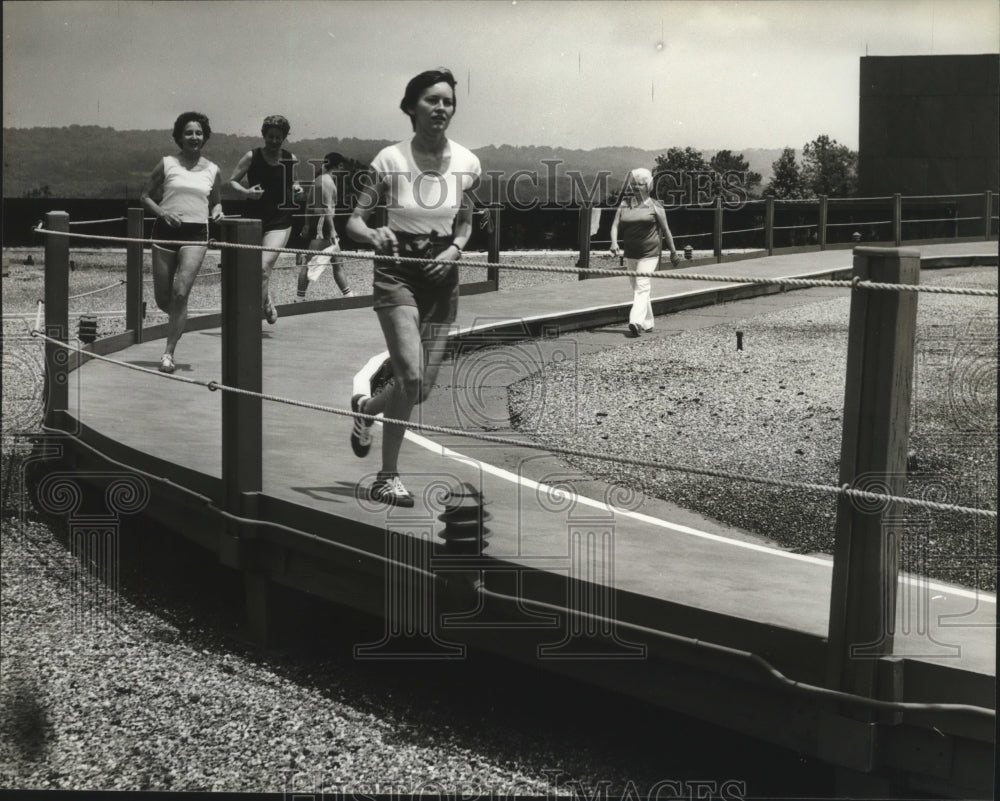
{"x": 153, "y": 691}
{"x": 158, "y": 693}
{"x": 774, "y": 409}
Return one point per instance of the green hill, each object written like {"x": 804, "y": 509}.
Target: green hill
{"x": 84, "y": 161}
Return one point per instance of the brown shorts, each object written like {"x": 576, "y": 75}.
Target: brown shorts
{"x": 407, "y": 284}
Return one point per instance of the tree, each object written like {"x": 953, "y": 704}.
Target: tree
{"x": 682, "y": 176}
{"x": 829, "y": 168}
{"x": 686, "y": 160}
{"x": 787, "y": 179}
{"x": 732, "y": 175}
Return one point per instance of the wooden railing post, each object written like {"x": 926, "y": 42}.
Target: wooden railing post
{"x": 242, "y": 437}
{"x": 877, "y": 395}
{"x": 821, "y": 224}
{"x": 987, "y": 214}
{"x": 133, "y": 274}
{"x": 717, "y": 230}
{"x": 897, "y": 219}
{"x": 56, "y": 316}
{"x": 583, "y": 240}
{"x": 769, "y": 226}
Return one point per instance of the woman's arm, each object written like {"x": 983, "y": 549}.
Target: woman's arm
{"x": 328, "y": 199}
{"x": 661, "y": 222}
{"x": 357, "y": 226}
{"x": 236, "y": 179}
{"x": 614, "y": 232}
{"x": 153, "y": 192}
{"x": 462, "y": 229}
{"x": 215, "y": 198}
{"x": 297, "y": 190}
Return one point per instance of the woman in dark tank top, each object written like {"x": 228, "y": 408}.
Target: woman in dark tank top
{"x": 266, "y": 176}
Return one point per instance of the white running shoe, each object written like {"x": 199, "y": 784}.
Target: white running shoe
{"x": 389, "y": 489}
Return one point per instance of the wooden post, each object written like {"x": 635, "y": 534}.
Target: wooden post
{"x": 493, "y": 255}
{"x": 769, "y": 225}
{"x": 878, "y": 389}
{"x": 242, "y": 459}
{"x": 717, "y": 230}
{"x": 822, "y": 222}
{"x": 56, "y": 316}
{"x": 897, "y": 219}
{"x": 583, "y": 240}
{"x": 987, "y": 214}
{"x": 133, "y": 274}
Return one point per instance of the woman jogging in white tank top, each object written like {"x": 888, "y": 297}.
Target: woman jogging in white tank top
{"x": 424, "y": 183}
{"x": 183, "y": 192}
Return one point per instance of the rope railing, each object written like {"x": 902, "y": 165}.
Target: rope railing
{"x": 120, "y": 282}
{"x": 847, "y": 199}
{"x": 937, "y": 219}
{"x": 102, "y": 314}
{"x": 96, "y": 222}
{"x": 800, "y": 282}
{"x": 845, "y": 490}
{"x": 936, "y": 197}
{"x": 691, "y": 236}
{"x": 199, "y": 275}
{"x": 743, "y": 230}
{"x": 858, "y": 223}
{"x": 793, "y": 227}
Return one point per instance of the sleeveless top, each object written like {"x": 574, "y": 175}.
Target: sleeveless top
{"x": 638, "y": 232}
{"x": 425, "y": 202}
{"x": 186, "y": 192}
{"x": 276, "y": 181}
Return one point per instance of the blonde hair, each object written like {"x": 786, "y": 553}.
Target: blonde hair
{"x": 641, "y": 175}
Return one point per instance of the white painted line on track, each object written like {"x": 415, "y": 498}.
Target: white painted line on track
{"x": 826, "y": 561}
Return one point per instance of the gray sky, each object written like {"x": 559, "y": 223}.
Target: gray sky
{"x": 577, "y": 74}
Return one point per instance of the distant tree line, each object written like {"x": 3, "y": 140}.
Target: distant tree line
{"x": 684, "y": 176}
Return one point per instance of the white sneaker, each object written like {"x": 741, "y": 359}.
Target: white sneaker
{"x": 389, "y": 489}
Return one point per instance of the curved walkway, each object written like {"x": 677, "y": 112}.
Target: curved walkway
{"x": 662, "y": 560}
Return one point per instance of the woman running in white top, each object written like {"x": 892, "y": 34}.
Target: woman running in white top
{"x": 184, "y": 192}
{"x": 424, "y": 184}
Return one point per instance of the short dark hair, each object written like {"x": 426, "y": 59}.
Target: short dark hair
{"x": 331, "y": 160}
{"x": 275, "y": 121}
{"x": 191, "y": 116}
{"x": 420, "y": 82}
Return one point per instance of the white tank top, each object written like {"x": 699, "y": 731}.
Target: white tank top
{"x": 422, "y": 203}
{"x": 186, "y": 192}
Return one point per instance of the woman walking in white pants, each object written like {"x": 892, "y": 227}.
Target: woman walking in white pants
{"x": 642, "y": 224}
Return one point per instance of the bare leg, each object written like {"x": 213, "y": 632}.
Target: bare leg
{"x": 164, "y": 266}
{"x": 302, "y": 284}
{"x": 271, "y": 239}
{"x": 189, "y": 259}
{"x": 401, "y": 328}
{"x": 337, "y": 265}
